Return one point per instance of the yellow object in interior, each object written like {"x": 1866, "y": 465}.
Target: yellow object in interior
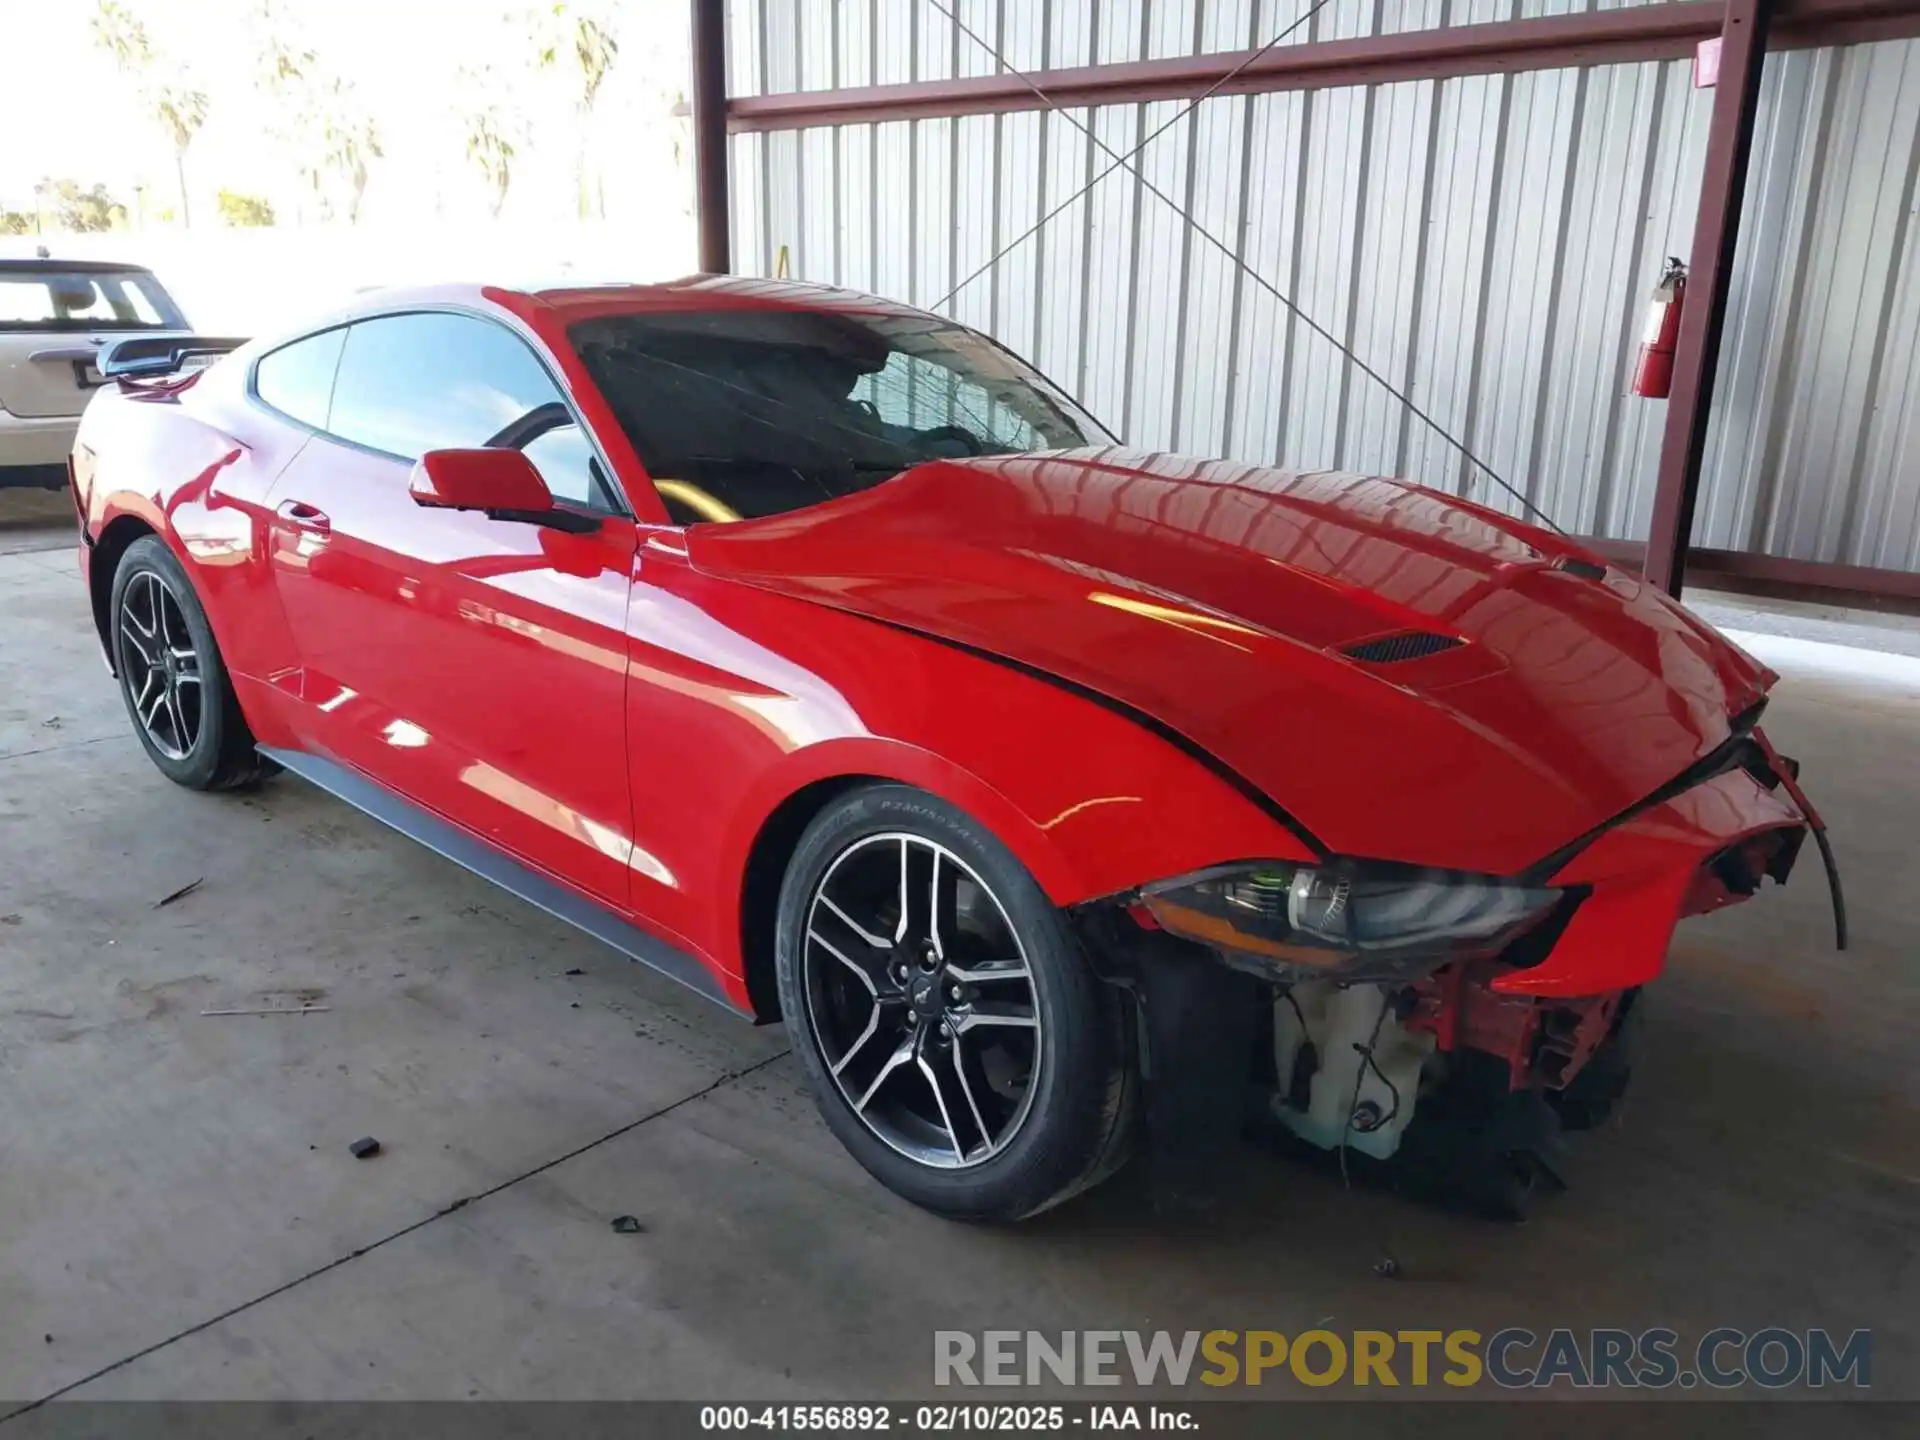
{"x": 708, "y": 507}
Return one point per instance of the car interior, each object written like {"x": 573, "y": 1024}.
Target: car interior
{"x": 739, "y": 415}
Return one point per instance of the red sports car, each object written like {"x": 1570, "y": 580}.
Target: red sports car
{"x": 820, "y": 653}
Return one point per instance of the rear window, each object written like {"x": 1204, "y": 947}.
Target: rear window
{"x": 57, "y": 300}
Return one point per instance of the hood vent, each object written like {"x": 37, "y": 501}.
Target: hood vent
{"x": 1409, "y": 645}
{"x": 1585, "y": 569}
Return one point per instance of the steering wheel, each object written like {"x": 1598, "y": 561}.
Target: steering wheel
{"x": 964, "y": 438}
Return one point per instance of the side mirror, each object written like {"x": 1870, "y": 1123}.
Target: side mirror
{"x": 502, "y": 483}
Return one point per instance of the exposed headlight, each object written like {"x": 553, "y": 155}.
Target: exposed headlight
{"x": 1362, "y": 919}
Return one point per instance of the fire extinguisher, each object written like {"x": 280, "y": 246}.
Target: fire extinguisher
{"x": 1653, "y": 376}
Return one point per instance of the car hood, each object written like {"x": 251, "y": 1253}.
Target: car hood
{"x": 1223, "y": 601}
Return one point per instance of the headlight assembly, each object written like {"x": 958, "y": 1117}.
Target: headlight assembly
{"x": 1360, "y": 920}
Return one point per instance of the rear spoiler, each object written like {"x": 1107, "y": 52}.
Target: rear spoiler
{"x": 147, "y": 356}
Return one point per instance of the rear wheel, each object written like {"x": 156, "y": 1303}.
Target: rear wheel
{"x": 956, "y": 1040}
{"x": 172, "y": 678}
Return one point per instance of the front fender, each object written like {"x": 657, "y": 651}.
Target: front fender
{"x": 883, "y": 759}
{"x": 1087, "y": 798}
{"x": 1102, "y": 806}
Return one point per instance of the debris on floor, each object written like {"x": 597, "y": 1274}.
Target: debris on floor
{"x": 180, "y": 894}
{"x": 627, "y": 1225}
{"x": 576, "y": 970}
{"x": 365, "y": 1148}
{"x": 274, "y": 1010}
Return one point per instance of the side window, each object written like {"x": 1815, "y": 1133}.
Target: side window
{"x": 918, "y": 394}
{"x": 413, "y": 383}
{"x": 297, "y": 379}
{"x": 565, "y": 461}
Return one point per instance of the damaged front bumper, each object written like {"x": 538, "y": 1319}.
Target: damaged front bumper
{"x": 1703, "y": 846}
{"x": 1496, "y": 1043}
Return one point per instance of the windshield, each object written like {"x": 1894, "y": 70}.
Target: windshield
{"x": 742, "y": 413}
{"x": 81, "y": 300}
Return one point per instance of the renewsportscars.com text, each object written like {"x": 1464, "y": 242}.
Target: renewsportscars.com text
{"x": 1656, "y": 1359}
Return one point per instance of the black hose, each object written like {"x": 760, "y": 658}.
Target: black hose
{"x": 1833, "y": 887}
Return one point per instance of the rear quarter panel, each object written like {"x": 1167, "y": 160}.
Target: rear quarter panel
{"x": 193, "y": 462}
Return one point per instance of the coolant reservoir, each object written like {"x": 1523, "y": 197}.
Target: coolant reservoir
{"x": 1339, "y": 1020}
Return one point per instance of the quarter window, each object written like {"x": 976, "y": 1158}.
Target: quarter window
{"x": 297, "y": 379}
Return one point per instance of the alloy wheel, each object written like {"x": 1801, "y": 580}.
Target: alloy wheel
{"x": 922, "y": 1000}
{"x": 159, "y": 666}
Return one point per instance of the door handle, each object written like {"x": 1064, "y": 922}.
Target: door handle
{"x": 304, "y": 516}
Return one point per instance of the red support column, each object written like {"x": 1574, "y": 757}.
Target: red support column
{"x": 1696, "y": 358}
{"x": 711, "y": 203}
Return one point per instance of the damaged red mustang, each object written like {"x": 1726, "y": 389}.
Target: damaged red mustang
{"x": 822, "y": 654}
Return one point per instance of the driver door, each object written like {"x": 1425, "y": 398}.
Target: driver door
{"x": 475, "y": 666}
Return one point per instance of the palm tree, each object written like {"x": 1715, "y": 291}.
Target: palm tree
{"x": 180, "y": 110}
{"x": 348, "y": 141}
{"x": 489, "y": 147}
{"x": 118, "y": 31}
{"x": 333, "y": 138}
{"x": 351, "y": 143}
{"x": 590, "y": 48}
{"x": 285, "y": 65}
{"x": 181, "y": 113}
{"x": 290, "y": 76}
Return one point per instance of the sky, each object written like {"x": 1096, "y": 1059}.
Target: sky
{"x": 67, "y": 111}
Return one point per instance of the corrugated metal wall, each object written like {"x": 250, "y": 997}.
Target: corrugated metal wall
{"x": 1486, "y": 243}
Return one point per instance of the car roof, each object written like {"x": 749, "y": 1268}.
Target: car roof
{"x": 44, "y": 265}
{"x": 713, "y": 292}
{"x": 572, "y": 301}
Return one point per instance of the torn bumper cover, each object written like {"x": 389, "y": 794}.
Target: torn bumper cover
{"x": 1593, "y": 918}
{"x": 1705, "y": 846}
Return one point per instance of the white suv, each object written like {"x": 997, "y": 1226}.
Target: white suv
{"x": 55, "y": 318}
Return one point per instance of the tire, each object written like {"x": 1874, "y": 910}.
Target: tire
{"x": 1035, "y": 1109}
{"x": 172, "y": 679}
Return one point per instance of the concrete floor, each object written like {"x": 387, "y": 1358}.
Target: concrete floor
{"x": 179, "y": 1216}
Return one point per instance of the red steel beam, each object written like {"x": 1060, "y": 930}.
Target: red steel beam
{"x": 711, "y": 202}
{"x": 1639, "y": 33}
{"x": 1816, "y": 24}
{"x": 1716, "y": 231}
{"x": 1606, "y": 37}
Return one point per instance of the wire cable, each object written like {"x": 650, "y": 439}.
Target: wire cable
{"x": 1388, "y": 1265}
{"x": 1118, "y": 160}
{"x": 1260, "y": 280}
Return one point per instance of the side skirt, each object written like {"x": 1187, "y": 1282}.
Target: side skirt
{"x": 510, "y": 875}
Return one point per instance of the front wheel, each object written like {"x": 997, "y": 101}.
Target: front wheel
{"x": 955, "y": 1038}
{"x": 172, "y": 678}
